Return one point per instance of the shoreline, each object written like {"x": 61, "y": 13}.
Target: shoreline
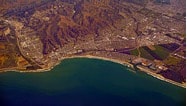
{"x": 124, "y": 63}
{"x": 142, "y": 69}
{"x": 160, "y": 77}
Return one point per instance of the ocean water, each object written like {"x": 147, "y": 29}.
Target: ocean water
{"x": 88, "y": 82}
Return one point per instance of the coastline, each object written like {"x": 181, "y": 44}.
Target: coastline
{"x": 143, "y": 69}
{"x": 124, "y": 63}
{"x": 148, "y": 71}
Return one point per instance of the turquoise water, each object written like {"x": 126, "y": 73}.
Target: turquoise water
{"x": 87, "y": 82}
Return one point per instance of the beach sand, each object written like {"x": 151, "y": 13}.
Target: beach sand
{"x": 141, "y": 68}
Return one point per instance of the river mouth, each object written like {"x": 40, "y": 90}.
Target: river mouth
{"x": 83, "y": 82}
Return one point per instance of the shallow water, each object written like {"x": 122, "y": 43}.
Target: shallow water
{"x": 87, "y": 82}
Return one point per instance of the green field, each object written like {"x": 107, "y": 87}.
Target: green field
{"x": 159, "y": 52}
{"x": 146, "y": 54}
{"x": 134, "y": 52}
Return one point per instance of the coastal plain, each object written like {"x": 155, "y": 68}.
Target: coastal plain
{"x": 147, "y": 35}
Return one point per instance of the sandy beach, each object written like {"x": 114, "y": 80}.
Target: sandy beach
{"x": 141, "y": 68}
{"x": 148, "y": 71}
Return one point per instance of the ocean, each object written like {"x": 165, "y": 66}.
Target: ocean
{"x": 88, "y": 82}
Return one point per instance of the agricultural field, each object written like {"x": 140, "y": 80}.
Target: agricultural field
{"x": 158, "y": 52}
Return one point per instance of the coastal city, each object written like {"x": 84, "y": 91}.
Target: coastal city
{"x": 37, "y": 35}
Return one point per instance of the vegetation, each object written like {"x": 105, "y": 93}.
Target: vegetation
{"x": 170, "y": 60}
{"x": 134, "y": 52}
{"x": 161, "y": 52}
{"x": 145, "y": 54}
